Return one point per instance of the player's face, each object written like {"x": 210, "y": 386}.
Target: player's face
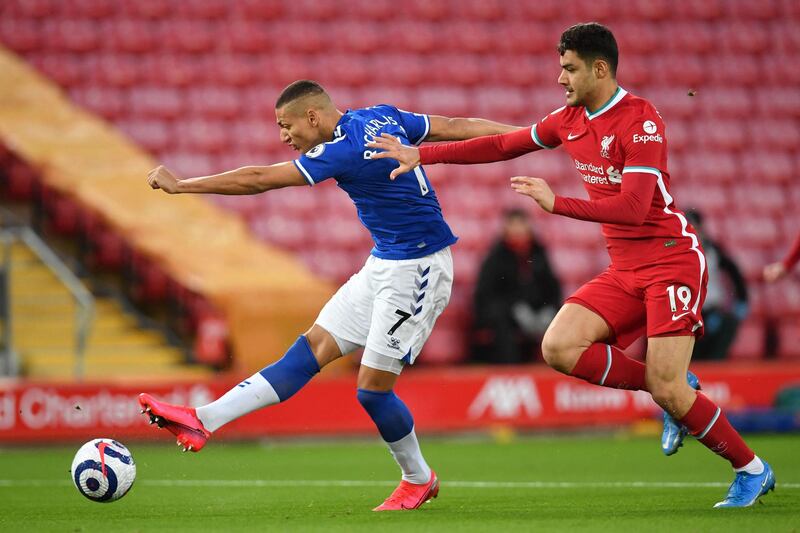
{"x": 577, "y": 78}
{"x": 297, "y": 130}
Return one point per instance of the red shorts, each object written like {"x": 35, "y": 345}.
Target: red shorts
{"x": 662, "y": 298}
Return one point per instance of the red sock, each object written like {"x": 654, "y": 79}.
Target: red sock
{"x": 711, "y": 427}
{"x": 605, "y": 365}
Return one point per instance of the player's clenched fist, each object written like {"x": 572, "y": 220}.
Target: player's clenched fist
{"x": 161, "y": 178}
{"x": 536, "y": 188}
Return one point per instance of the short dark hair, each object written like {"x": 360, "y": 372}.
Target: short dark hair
{"x": 591, "y": 41}
{"x": 298, "y": 89}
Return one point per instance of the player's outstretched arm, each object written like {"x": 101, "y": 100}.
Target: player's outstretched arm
{"x": 244, "y": 180}
{"x": 487, "y": 149}
{"x": 461, "y": 129}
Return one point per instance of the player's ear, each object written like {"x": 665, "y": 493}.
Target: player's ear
{"x": 601, "y": 69}
{"x": 313, "y": 117}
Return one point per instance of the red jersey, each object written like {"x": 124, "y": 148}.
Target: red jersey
{"x": 620, "y": 152}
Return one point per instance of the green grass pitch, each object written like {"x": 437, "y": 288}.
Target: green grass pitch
{"x": 566, "y": 483}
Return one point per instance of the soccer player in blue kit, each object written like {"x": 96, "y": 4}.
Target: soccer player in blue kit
{"x": 389, "y": 307}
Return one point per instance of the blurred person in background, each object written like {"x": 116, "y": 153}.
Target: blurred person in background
{"x": 516, "y": 296}
{"x": 775, "y": 271}
{"x": 726, "y": 303}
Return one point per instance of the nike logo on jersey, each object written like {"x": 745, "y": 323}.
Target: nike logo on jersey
{"x": 680, "y": 315}
{"x": 571, "y": 136}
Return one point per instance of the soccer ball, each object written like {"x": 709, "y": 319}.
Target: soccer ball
{"x": 103, "y": 470}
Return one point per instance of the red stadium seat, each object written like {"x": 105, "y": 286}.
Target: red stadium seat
{"x": 789, "y": 339}
{"x": 719, "y": 135}
{"x": 724, "y": 102}
{"x": 654, "y": 10}
{"x": 522, "y": 70}
{"x": 471, "y": 36}
{"x": 111, "y": 104}
{"x": 761, "y": 198}
{"x": 743, "y": 37}
{"x": 452, "y": 101}
{"x": 778, "y": 102}
{"x": 739, "y": 68}
{"x": 678, "y": 69}
{"x": 689, "y": 36}
{"x": 780, "y": 134}
{"x": 746, "y": 10}
{"x": 636, "y": 38}
{"x": 259, "y": 9}
{"x": 705, "y": 10}
{"x": 67, "y": 71}
{"x": 455, "y": 69}
{"x": 773, "y": 166}
{"x": 213, "y": 102}
{"x": 154, "y": 135}
{"x": 35, "y": 9}
{"x": 759, "y": 231}
{"x": 445, "y": 346}
{"x": 163, "y": 103}
{"x": 21, "y": 35}
{"x": 711, "y": 167}
{"x": 672, "y": 102}
{"x": 426, "y": 10}
{"x": 749, "y": 343}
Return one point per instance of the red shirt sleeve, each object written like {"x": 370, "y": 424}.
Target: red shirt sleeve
{"x": 486, "y": 149}
{"x": 794, "y": 255}
{"x": 491, "y": 148}
{"x": 629, "y": 207}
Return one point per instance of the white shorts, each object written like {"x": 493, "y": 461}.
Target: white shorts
{"x": 390, "y": 306}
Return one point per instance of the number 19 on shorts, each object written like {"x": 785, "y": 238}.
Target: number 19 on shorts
{"x": 683, "y": 294}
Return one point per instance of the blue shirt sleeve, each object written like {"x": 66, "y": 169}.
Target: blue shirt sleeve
{"x": 417, "y": 125}
{"x": 326, "y": 160}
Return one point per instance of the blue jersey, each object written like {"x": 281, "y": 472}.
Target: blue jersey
{"x": 403, "y": 216}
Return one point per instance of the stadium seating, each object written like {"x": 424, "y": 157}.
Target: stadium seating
{"x": 195, "y": 82}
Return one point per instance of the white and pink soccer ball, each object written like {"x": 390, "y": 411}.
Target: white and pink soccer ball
{"x": 103, "y": 470}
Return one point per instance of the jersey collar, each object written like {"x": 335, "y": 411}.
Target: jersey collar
{"x": 618, "y": 95}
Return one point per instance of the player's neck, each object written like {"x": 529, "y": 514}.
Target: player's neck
{"x": 330, "y": 120}
{"x": 603, "y": 95}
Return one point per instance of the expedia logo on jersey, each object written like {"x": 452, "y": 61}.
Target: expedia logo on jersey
{"x": 650, "y": 129}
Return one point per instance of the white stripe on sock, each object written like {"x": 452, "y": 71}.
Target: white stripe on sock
{"x": 608, "y": 364}
{"x": 710, "y": 424}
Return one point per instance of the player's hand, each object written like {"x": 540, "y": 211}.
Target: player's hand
{"x": 161, "y": 178}
{"x": 536, "y": 188}
{"x": 774, "y": 272}
{"x": 407, "y": 156}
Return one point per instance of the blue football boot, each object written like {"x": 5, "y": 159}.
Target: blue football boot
{"x": 746, "y": 488}
{"x": 674, "y": 432}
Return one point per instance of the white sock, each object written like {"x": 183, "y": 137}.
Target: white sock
{"x": 253, "y": 393}
{"x": 754, "y": 467}
{"x": 408, "y": 455}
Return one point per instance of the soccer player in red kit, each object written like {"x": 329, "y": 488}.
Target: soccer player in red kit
{"x": 657, "y": 278}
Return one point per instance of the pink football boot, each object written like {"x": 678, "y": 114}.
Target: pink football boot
{"x": 179, "y": 420}
{"x": 409, "y": 496}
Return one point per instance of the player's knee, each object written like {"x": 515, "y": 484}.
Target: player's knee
{"x": 666, "y": 394}
{"x": 557, "y": 351}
